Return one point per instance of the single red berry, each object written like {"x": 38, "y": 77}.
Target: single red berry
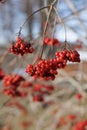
{"x": 78, "y": 96}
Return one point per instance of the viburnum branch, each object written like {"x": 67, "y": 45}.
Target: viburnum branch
{"x": 45, "y": 29}
{"x": 62, "y": 22}
{"x": 31, "y": 16}
{"x": 51, "y": 7}
{"x": 54, "y": 2}
{"x": 55, "y": 20}
{"x": 49, "y": 13}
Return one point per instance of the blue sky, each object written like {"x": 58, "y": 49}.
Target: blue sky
{"x": 73, "y": 27}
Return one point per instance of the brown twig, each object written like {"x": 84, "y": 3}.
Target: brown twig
{"x": 29, "y": 17}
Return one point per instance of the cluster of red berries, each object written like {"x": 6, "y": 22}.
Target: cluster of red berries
{"x": 51, "y": 41}
{"x": 16, "y": 86}
{"x": 39, "y": 90}
{"x": 11, "y": 85}
{"x": 2, "y": 74}
{"x": 21, "y": 47}
{"x": 10, "y": 80}
{"x": 47, "y": 69}
{"x": 68, "y": 55}
{"x": 64, "y": 120}
{"x": 81, "y": 125}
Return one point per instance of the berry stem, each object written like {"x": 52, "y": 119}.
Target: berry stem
{"x": 62, "y": 22}
{"x": 45, "y": 29}
{"x": 52, "y": 47}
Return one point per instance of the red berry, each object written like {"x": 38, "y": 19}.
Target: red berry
{"x": 38, "y": 98}
{"x": 78, "y": 96}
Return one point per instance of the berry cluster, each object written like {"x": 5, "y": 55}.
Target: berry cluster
{"x": 39, "y": 90}
{"x": 21, "y": 47}
{"x": 43, "y": 89}
{"x": 10, "y": 80}
{"x": 2, "y": 74}
{"x": 47, "y": 69}
{"x": 68, "y": 55}
{"x": 51, "y": 41}
{"x": 16, "y": 86}
{"x": 81, "y": 125}
{"x": 71, "y": 118}
{"x": 11, "y": 85}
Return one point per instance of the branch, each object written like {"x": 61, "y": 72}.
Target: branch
{"x": 31, "y": 16}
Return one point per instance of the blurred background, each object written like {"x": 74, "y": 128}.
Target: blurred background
{"x": 14, "y": 12}
{"x": 69, "y": 98}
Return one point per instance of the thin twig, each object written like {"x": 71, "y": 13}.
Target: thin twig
{"x": 28, "y": 18}
{"x": 49, "y": 13}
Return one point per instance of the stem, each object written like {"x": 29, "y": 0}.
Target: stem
{"x": 55, "y": 20}
{"x": 52, "y": 46}
{"x": 54, "y": 2}
{"x": 30, "y": 17}
{"x": 46, "y": 28}
{"x": 49, "y": 13}
{"x": 62, "y": 22}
